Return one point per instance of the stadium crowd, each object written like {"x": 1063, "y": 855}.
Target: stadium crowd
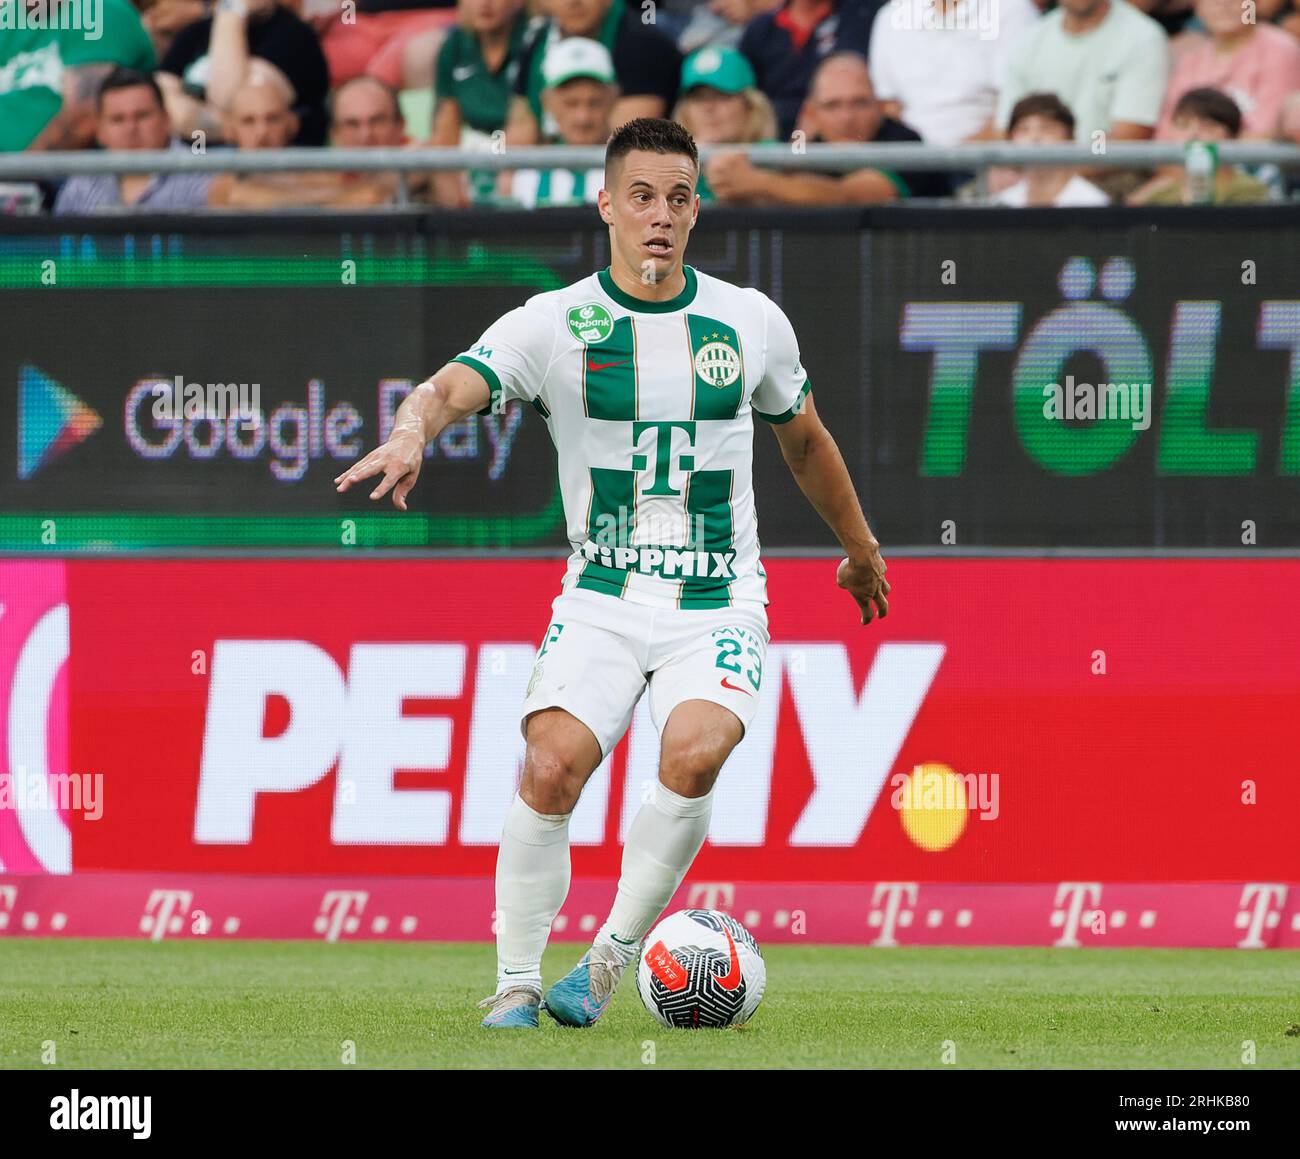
{"x": 489, "y": 74}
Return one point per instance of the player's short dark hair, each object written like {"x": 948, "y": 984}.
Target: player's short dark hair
{"x": 1047, "y": 105}
{"x": 651, "y": 135}
{"x": 127, "y": 78}
{"x": 1210, "y": 105}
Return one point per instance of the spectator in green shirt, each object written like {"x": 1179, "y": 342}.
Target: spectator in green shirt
{"x": 49, "y": 77}
{"x": 472, "y": 82}
{"x": 721, "y": 104}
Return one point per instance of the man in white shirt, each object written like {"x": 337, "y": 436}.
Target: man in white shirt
{"x": 1106, "y": 60}
{"x": 938, "y": 64}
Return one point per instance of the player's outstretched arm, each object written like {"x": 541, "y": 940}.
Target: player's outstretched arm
{"x": 818, "y": 468}
{"x": 455, "y": 391}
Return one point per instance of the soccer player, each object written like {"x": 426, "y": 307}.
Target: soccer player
{"x": 647, "y": 375}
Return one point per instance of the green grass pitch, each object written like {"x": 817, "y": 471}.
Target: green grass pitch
{"x": 131, "y": 1003}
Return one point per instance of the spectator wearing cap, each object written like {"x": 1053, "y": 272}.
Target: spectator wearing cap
{"x": 937, "y": 64}
{"x": 841, "y": 109}
{"x": 646, "y": 64}
{"x": 1211, "y": 116}
{"x": 1257, "y": 65}
{"x": 475, "y": 73}
{"x": 1107, "y": 62}
{"x": 787, "y": 45}
{"x": 131, "y": 116}
{"x": 722, "y": 105}
{"x": 579, "y": 96}
{"x": 1042, "y": 119}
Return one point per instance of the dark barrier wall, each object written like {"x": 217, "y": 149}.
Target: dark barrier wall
{"x": 954, "y": 354}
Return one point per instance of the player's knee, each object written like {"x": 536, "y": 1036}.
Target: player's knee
{"x": 561, "y": 755}
{"x": 552, "y": 781}
{"x": 696, "y": 742}
{"x": 690, "y": 765}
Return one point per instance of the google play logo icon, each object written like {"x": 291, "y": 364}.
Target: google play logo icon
{"x": 51, "y": 419}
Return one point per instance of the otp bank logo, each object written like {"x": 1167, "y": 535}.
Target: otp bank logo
{"x": 51, "y": 419}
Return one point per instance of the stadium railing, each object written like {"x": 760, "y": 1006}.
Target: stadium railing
{"x": 819, "y": 157}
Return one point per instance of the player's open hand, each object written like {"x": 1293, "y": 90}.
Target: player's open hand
{"x": 864, "y": 579}
{"x": 398, "y": 460}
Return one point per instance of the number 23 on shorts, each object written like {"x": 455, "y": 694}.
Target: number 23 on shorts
{"x": 737, "y": 653}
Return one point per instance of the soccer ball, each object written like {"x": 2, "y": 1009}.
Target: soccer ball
{"x": 701, "y": 968}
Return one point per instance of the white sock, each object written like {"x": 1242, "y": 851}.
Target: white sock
{"x": 532, "y": 883}
{"x": 665, "y": 836}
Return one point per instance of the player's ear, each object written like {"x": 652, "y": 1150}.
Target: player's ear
{"x": 602, "y": 204}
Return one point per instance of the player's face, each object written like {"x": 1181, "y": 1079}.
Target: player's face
{"x": 650, "y": 207}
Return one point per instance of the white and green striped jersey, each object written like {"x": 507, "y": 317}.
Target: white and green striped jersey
{"x": 649, "y": 404}
{"x": 536, "y": 188}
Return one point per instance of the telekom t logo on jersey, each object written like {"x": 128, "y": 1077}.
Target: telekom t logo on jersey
{"x": 660, "y": 481}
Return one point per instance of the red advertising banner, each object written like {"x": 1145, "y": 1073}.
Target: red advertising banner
{"x": 1012, "y": 721}
{"x": 1067, "y": 914}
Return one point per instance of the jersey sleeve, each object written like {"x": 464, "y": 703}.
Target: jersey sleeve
{"x": 779, "y": 395}
{"x": 513, "y": 355}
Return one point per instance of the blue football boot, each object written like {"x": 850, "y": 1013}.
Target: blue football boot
{"x": 580, "y": 997}
{"x": 513, "y": 1009}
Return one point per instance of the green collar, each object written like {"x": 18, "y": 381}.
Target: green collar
{"x": 628, "y": 302}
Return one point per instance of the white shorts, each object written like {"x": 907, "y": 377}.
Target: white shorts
{"x": 599, "y": 653}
